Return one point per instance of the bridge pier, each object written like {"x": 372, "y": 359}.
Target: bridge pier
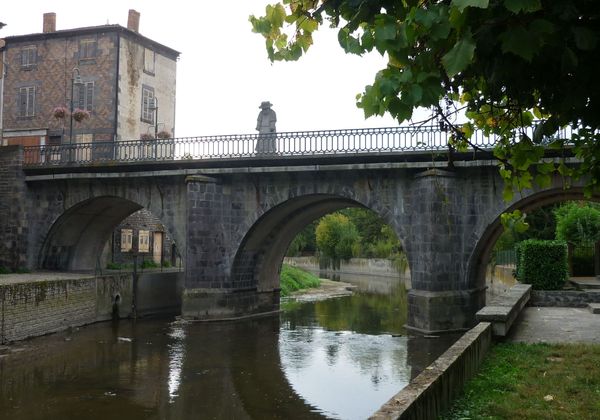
{"x": 441, "y": 241}
{"x": 211, "y": 290}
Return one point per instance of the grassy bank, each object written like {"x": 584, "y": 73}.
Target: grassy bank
{"x": 293, "y": 279}
{"x": 534, "y": 381}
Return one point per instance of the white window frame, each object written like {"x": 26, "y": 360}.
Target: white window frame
{"x": 85, "y": 96}
{"x": 144, "y": 241}
{"x": 147, "y": 103}
{"x": 26, "y": 105}
{"x": 29, "y": 56}
{"x": 87, "y": 49}
{"x": 126, "y": 240}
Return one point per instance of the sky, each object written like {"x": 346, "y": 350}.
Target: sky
{"x": 223, "y": 73}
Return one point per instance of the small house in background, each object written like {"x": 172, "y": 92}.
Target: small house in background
{"x": 144, "y": 236}
{"x": 86, "y": 85}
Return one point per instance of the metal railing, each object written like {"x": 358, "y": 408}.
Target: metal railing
{"x": 277, "y": 145}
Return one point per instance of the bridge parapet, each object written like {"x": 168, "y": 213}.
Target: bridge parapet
{"x": 390, "y": 140}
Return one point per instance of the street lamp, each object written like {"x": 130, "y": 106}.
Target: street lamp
{"x": 75, "y": 80}
{"x": 154, "y": 107}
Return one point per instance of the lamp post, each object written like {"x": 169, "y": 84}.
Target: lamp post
{"x": 75, "y": 80}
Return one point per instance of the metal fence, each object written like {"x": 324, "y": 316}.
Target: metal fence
{"x": 285, "y": 144}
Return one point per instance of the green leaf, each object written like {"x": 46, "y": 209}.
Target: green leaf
{"x": 459, "y": 57}
{"x": 527, "y": 6}
{"x": 585, "y": 39}
{"x": 463, "y": 4}
{"x": 544, "y": 181}
{"x": 517, "y": 40}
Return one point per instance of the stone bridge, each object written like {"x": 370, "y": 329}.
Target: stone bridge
{"x": 235, "y": 214}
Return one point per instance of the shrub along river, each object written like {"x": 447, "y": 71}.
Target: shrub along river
{"x": 336, "y": 358}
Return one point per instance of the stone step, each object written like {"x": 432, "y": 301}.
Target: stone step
{"x": 588, "y": 283}
{"x": 594, "y": 308}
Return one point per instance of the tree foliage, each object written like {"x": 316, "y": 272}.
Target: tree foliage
{"x": 505, "y": 62}
{"x": 336, "y": 236}
{"x": 578, "y": 224}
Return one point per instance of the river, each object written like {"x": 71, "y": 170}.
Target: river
{"x": 337, "y": 358}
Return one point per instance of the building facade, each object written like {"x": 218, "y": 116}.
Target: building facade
{"x": 120, "y": 82}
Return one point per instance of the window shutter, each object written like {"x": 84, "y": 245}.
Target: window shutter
{"x": 89, "y": 100}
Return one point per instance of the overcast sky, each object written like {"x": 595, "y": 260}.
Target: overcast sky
{"x": 223, "y": 72}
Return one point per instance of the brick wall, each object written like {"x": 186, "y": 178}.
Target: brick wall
{"x": 37, "y": 308}
{"x": 13, "y": 226}
{"x": 51, "y": 75}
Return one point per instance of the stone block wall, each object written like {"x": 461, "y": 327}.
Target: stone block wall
{"x": 38, "y": 308}
{"x": 13, "y": 218}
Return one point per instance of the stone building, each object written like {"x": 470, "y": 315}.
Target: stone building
{"x": 142, "y": 234}
{"x": 125, "y": 81}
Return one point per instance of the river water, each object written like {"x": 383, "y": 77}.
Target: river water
{"x": 338, "y": 358}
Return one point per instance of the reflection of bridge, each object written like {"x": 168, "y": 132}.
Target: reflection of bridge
{"x": 235, "y": 213}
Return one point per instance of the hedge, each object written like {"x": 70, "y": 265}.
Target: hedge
{"x": 543, "y": 264}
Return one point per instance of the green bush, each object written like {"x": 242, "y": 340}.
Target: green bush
{"x": 292, "y": 279}
{"x": 166, "y": 264}
{"x": 4, "y": 270}
{"x": 149, "y": 264}
{"x": 578, "y": 224}
{"x": 543, "y": 264}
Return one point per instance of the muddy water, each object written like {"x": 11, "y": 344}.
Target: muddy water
{"x": 339, "y": 358}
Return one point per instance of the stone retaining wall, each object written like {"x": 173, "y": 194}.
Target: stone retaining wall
{"x": 563, "y": 298}
{"x": 42, "y": 307}
{"x": 432, "y": 391}
{"x": 30, "y": 309}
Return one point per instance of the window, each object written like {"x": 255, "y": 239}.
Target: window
{"x": 149, "y": 58}
{"x": 86, "y": 96}
{"x": 126, "y": 240}
{"x": 147, "y": 105}
{"x": 29, "y": 56}
{"x": 27, "y": 101}
{"x": 87, "y": 49}
{"x": 144, "y": 241}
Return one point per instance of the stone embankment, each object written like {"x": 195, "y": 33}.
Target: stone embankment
{"x": 38, "y": 304}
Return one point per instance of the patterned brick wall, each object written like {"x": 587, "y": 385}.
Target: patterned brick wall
{"x": 13, "y": 227}
{"x": 51, "y": 75}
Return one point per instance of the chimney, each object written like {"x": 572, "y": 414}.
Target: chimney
{"x": 133, "y": 21}
{"x": 49, "y": 22}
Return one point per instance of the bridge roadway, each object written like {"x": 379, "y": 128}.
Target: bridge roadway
{"x": 235, "y": 213}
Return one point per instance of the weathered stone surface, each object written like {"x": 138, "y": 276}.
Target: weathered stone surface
{"x": 431, "y": 392}
{"x": 594, "y": 308}
{"x": 505, "y": 308}
{"x": 236, "y": 222}
{"x": 564, "y": 298}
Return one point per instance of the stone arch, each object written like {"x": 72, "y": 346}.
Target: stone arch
{"x": 483, "y": 249}
{"x": 262, "y": 249}
{"x": 77, "y": 237}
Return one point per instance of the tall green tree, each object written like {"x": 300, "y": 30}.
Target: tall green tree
{"x": 506, "y": 62}
{"x": 336, "y": 236}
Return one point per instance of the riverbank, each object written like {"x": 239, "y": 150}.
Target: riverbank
{"x": 526, "y": 381}
{"x": 327, "y": 289}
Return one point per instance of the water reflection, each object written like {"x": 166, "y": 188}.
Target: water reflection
{"x": 317, "y": 360}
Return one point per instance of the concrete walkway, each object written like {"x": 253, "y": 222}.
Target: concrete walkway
{"x": 556, "y": 325}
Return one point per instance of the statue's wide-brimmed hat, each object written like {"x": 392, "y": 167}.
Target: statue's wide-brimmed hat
{"x": 265, "y": 104}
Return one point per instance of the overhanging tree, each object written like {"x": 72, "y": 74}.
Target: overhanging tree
{"x": 505, "y": 62}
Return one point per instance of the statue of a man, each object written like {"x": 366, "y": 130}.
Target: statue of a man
{"x": 265, "y": 124}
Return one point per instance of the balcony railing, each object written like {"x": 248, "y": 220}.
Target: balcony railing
{"x": 278, "y": 145}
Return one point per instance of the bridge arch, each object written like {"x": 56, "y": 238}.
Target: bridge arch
{"x": 76, "y": 239}
{"x": 259, "y": 257}
{"x": 482, "y": 252}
